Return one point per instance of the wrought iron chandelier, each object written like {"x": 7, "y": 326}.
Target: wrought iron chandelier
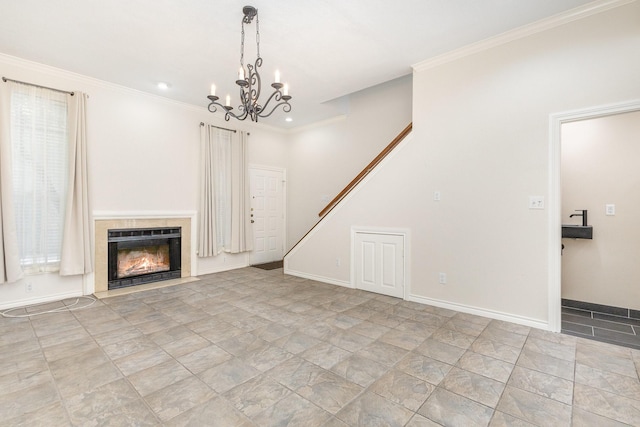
{"x": 250, "y": 84}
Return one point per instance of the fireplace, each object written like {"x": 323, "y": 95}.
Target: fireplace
{"x": 143, "y": 255}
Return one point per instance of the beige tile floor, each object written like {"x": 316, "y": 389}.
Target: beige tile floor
{"x": 257, "y": 348}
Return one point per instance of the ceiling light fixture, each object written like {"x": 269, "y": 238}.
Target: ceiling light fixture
{"x": 163, "y": 85}
{"x": 250, "y": 83}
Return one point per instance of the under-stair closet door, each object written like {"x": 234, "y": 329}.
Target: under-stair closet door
{"x": 379, "y": 263}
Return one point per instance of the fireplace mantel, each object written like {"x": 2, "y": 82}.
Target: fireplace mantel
{"x": 107, "y": 221}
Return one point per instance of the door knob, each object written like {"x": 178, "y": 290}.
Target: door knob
{"x": 252, "y": 221}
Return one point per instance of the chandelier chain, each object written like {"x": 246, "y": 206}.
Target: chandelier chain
{"x": 242, "y": 45}
{"x": 258, "y": 35}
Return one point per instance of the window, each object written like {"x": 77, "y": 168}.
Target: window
{"x": 39, "y": 148}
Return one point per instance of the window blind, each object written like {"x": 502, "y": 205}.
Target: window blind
{"x": 39, "y": 146}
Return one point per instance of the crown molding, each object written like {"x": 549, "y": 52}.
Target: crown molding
{"x": 587, "y": 10}
{"x": 318, "y": 124}
{"x": 51, "y": 71}
{"x": 84, "y": 80}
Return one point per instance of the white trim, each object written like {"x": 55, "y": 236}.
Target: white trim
{"x": 498, "y": 315}
{"x": 269, "y": 168}
{"x": 554, "y": 232}
{"x": 40, "y": 300}
{"x": 107, "y": 215}
{"x": 521, "y": 32}
{"x": 226, "y": 267}
{"x": 284, "y": 204}
{"x": 303, "y": 128}
{"x": 555, "y": 196}
{"x": 91, "y": 81}
{"x": 379, "y": 230}
{"x": 406, "y": 250}
{"x": 81, "y": 78}
{"x": 319, "y": 278}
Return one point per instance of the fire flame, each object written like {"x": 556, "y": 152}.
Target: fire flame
{"x": 135, "y": 262}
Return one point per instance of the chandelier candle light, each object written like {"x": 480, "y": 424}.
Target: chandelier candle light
{"x": 250, "y": 83}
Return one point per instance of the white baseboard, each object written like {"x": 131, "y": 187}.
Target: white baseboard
{"x": 520, "y": 320}
{"x": 220, "y": 269}
{"x": 40, "y": 300}
{"x": 322, "y": 279}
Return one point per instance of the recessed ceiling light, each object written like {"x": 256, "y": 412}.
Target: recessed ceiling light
{"x": 163, "y": 85}
{"x": 288, "y": 119}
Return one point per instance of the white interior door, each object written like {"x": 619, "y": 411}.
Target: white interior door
{"x": 379, "y": 263}
{"x": 267, "y": 214}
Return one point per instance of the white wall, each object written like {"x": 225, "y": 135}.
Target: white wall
{"x": 143, "y": 153}
{"x": 324, "y": 158}
{"x": 599, "y": 167}
{"x": 481, "y": 138}
{"x": 381, "y": 200}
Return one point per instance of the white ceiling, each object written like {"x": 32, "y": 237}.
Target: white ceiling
{"x": 324, "y": 49}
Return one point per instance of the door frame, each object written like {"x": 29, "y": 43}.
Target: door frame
{"x": 555, "y": 197}
{"x": 284, "y": 202}
{"x": 406, "y": 265}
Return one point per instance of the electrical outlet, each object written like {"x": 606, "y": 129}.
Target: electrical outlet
{"x": 28, "y": 287}
{"x": 442, "y": 278}
{"x": 610, "y": 209}
{"x": 536, "y": 202}
{"x": 436, "y": 196}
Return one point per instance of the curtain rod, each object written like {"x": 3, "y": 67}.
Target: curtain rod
{"x": 218, "y": 127}
{"x": 4, "y": 79}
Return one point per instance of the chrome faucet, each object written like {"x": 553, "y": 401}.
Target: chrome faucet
{"x": 583, "y": 215}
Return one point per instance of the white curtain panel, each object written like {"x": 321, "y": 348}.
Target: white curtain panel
{"x": 76, "y": 239}
{"x": 241, "y": 230}
{"x": 206, "y": 212}
{"x": 223, "y": 190}
{"x": 224, "y": 211}
{"x": 10, "y": 269}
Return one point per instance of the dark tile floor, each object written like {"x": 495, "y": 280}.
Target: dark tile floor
{"x": 252, "y": 347}
{"x": 602, "y": 327}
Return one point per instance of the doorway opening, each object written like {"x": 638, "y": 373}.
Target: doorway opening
{"x": 556, "y": 211}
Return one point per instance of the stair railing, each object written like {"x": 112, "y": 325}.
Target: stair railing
{"x": 384, "y": 153}
{"x": 346, "y": 190}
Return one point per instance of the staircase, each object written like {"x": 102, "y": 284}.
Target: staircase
{"x": 363, "y": 174}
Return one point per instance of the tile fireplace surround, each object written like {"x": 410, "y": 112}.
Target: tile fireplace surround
{"x": 101, "y": 246}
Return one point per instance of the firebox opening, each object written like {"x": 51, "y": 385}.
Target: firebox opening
{"x": 143, "y": 260}
{"x": 143, "y": 255}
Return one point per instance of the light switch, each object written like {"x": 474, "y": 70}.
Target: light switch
{"x": 610, "y": 209}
